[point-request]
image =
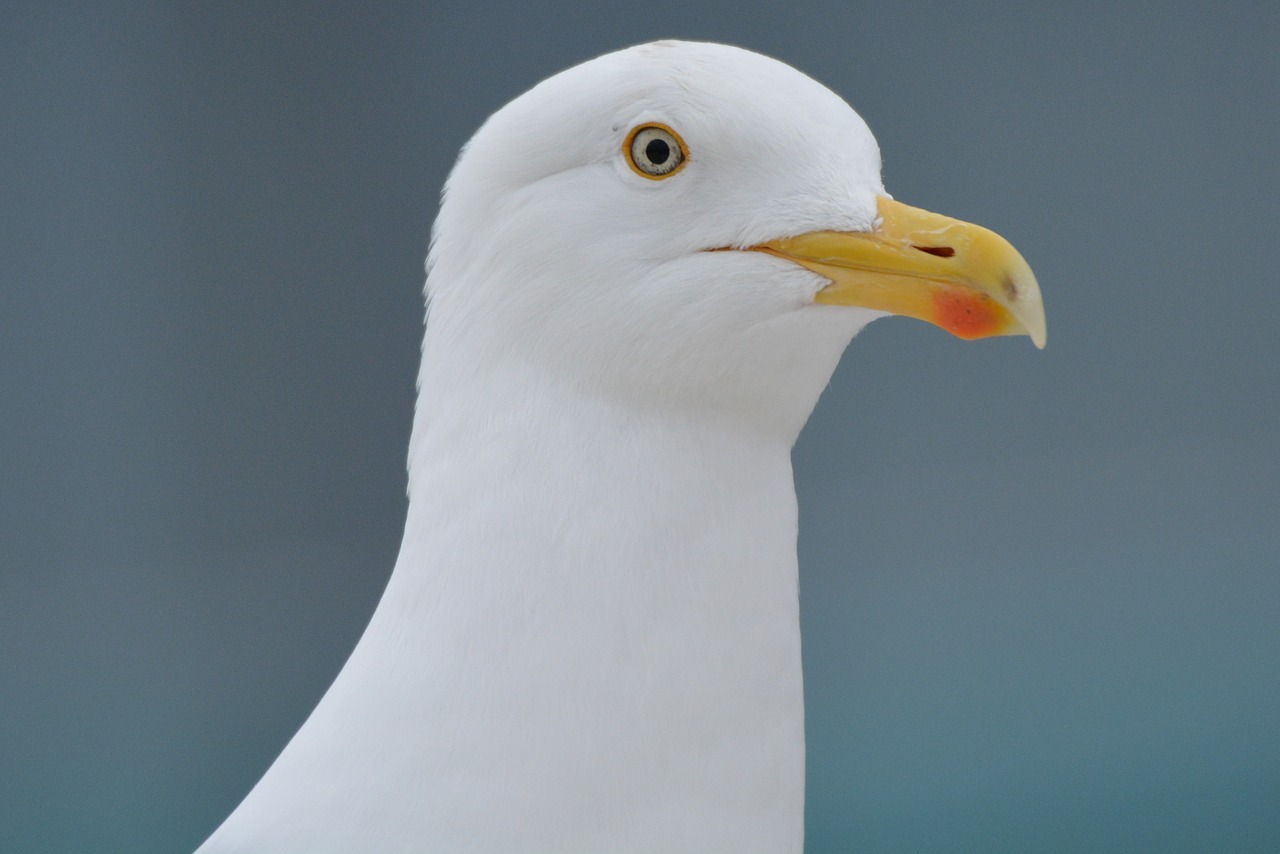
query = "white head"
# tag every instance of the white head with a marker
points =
(554, 251)
(551, 249)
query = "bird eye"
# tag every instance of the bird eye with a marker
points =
(655, 151)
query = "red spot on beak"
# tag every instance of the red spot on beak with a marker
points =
(967, 314)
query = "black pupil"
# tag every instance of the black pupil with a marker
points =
(657, 151)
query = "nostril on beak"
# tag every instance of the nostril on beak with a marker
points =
(940, 251)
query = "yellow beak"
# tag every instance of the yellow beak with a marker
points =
(960, 276)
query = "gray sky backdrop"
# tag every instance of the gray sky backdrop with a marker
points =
(1041, 591)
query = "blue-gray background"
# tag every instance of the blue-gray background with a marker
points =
(1041, 591)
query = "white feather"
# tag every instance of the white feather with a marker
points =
(590, 642)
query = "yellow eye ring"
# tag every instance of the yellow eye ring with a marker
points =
(655, 151)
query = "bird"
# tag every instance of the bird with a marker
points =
(642, 275)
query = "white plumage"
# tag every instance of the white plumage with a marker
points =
(590, 642)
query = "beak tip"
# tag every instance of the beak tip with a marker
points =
(1024, 302)
(1034, 327)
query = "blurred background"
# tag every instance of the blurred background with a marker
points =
(1041, 590)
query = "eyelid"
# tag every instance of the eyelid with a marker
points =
(630, 138)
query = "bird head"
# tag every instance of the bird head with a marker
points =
(696, 225)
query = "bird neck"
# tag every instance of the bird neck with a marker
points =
(602, 599)
(590, 642)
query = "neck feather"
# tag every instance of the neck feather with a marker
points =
(590, 641)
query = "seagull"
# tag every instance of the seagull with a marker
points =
(643, 273)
